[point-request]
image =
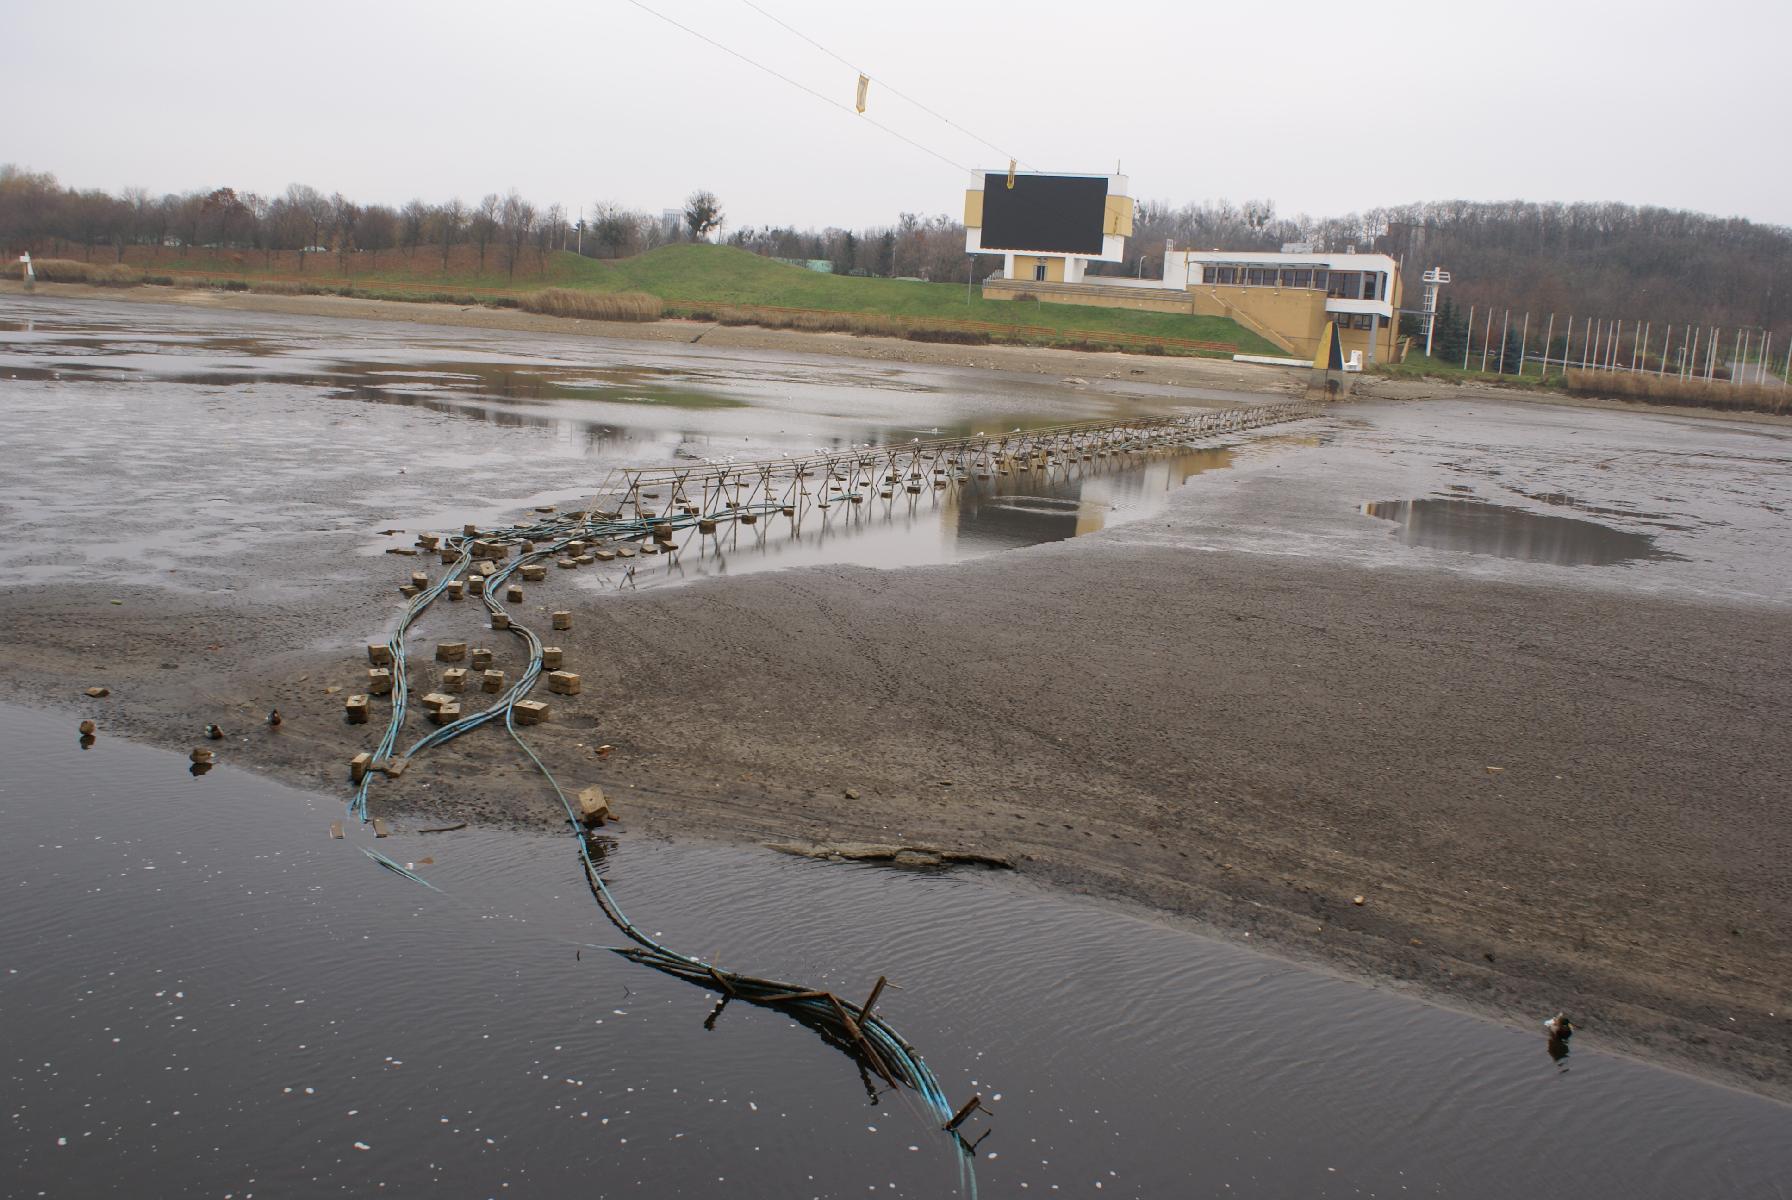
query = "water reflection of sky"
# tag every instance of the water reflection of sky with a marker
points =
(973, 518)
(1477, 527)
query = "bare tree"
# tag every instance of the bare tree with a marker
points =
(702, 214)
(484, 223)
(411, 220)
(377, 230)
(517, 219)
(449, 219)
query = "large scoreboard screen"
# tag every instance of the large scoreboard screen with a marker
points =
(1058, 214)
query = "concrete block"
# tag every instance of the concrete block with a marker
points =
(500, 621)
(491, 681)
(419, 579)
(550, 657)
(563, 683)
(435, 700)
(604, 555)
(513, 594)
(454, 679)
(456, 589)
(380, 828)
(379, 682)
(447, 555)
(479, 658)
(359, 765)
(586, 559)
(531, 712)
(379, 654)
(625, 552)
(407, 590)
(562, 620)
(567, 564)
(446, 715)
(574, 549)
(429, 541)
(355, 709)
(476, 585)
(485, 569)
(451, 651)
(470, 530)
(534, 573)
(594, 807)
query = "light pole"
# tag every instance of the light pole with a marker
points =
(1434, 279)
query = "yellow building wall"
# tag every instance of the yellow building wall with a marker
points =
(1024, 264)
(1118, 217)
(973, 208)
(1296, 316)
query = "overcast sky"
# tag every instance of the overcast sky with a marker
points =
(1323, 107)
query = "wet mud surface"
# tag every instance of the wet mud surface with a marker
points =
(1556, 785)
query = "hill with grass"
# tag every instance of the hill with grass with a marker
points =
(689, 280)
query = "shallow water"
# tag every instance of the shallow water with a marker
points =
(1478, 527)
(202, 994)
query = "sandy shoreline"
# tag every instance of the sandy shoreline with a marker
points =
(1242, 742)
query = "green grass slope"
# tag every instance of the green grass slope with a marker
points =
(688, 275)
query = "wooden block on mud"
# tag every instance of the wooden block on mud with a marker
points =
(594, 807)
(550, 657)
(534, 573)
(513, 594)
(563, 683)
(574, 549)
(336, 830)
(447, 714)
(563, 620)
(475, 585)
(379, 654)
(407, 590)
(625, 552)
(451, 651)
(355, 709)
(419, 579)
(479, 658)
(454, 679)
(530, 712)
(500, 620)
(380, 828)
(492, 681)
(604, 555)
(567, 564)
(359, 765)
(456, 589)
(435, 700)
(429, 541)
(379, 682)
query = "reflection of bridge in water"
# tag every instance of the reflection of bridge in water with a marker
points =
(1014, 488)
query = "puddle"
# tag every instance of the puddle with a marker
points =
(976, 518)
(216, 998)
(1502, 531)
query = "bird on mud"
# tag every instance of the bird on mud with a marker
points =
(274, 717)
(214, 733)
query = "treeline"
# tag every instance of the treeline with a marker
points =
(37, 214)
(1594, 260)
(504, 231)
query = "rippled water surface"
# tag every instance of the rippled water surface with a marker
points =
(201, 994)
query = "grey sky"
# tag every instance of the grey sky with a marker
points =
(1316, 105)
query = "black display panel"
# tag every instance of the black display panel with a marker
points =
(1061, 214)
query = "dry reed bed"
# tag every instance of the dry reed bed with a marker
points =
(1696, 393)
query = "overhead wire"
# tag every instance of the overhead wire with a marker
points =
(801, 87)
(883, 83)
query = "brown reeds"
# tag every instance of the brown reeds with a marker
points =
(68, 270)
(1693, 393)
(593, 306)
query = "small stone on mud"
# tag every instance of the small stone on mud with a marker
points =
(850, 794)
(99, 692)
(1359, 901)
